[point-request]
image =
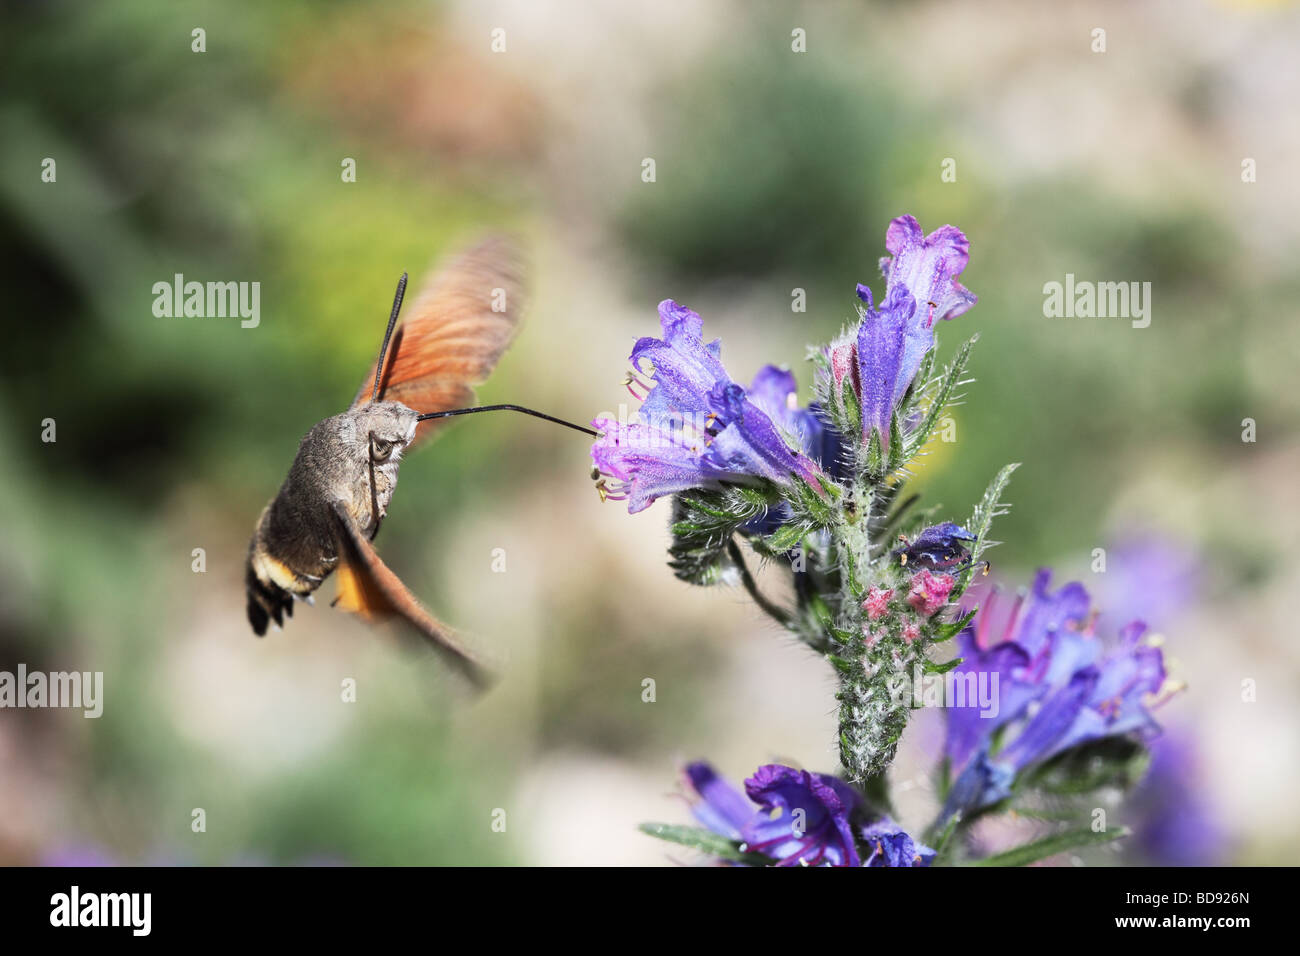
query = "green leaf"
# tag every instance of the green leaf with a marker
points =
(706, 841)
(849, 571)
(942, 396)
(874, 456)
(705, 519)
(926, 368)
(981, 521)
(1108, 762)
(842, 635)
(703, 522)
(943, 843)
(842, 665)
(754, 498)
(930, 667)
(897, 449)
(821, 612)
(852, 412)
(705, 503)
(1050, 846)
(947, 632)
(784, 538)
(813, 507)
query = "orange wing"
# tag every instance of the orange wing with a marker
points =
(454, 333)
(369, 587)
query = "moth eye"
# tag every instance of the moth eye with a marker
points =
(382, 448)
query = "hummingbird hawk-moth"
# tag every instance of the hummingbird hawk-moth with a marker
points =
(330, 507)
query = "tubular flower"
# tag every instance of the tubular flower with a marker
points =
(700, 428)
(1058, 685)
(881, 357)
(798, 818)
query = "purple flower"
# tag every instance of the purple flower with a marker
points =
(928, 266)
(881, 366)
(1175, 822)
(888, 845)
(798, 818)
(886, 353)
(804, 817)
(717, 804)
(793, 816)
(1102, 699)
(1012, 645)
(776, 393)
(1051, 678)
(939, 547)
(700, 427)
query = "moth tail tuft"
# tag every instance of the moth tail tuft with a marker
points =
(267, 601)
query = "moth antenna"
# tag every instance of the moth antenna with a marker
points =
(510, 408)
(388, 334)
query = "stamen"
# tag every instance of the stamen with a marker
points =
(1170, 688)
(631, 379)
(617, 493)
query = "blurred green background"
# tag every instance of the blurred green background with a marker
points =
(775, 170)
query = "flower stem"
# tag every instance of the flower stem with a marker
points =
(873, 710)
(774, 611)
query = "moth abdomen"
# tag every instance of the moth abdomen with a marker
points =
(272, 579)
(267, 601)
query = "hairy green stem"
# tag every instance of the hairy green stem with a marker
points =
(873, 668)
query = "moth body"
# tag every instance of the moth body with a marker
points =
(351, 459)
(323, 519)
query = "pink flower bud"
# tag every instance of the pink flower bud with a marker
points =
(930, 591)
(877, 603)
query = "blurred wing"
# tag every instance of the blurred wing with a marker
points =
(454, 333)
(368, 587)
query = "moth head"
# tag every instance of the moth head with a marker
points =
(387, 428)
